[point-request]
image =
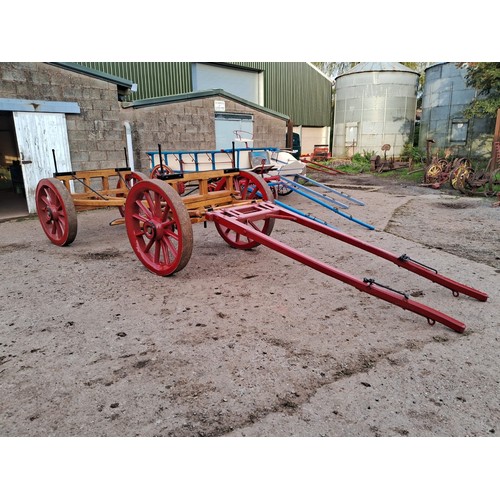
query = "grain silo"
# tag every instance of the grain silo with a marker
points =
(445, 97)
(375, 104)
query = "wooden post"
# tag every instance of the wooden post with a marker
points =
(495, 149)
(289, 134)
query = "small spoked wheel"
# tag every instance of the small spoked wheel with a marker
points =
(248, 186)
(459, 177)
(284, 190)
(130, 179)
(158, 227)
(433, 173)
(56, 211)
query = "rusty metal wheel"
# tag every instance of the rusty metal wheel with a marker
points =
(158, 227)
(433, 173)
(459, 177)
(249, 187)
(130, 179)
(56, 211)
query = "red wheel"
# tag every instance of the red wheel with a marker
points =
(158, 227)
(248, 187)
(56, 211)
(181, 187)
(130, 179)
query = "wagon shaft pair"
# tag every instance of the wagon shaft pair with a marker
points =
(241, 206)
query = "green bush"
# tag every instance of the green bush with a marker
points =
(413, 153)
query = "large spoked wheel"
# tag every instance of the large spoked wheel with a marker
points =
(56, 211)
(249, 187)
(158, 227)
(130, 179)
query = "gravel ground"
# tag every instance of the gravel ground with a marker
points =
(252, 343)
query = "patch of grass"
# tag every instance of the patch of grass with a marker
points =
(415, 175)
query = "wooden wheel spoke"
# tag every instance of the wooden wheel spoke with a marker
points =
(144, 209)
(168, 248)
(147, 248)
(157, 252)
(166, 216)
(149, 203)
(45, 198)
(158, 209)
(140, 218)
(254, 225)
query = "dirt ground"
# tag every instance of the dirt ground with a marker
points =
(252, 343)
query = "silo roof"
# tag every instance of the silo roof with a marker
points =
(365, 67)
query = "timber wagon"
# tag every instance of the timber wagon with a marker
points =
(159, 213)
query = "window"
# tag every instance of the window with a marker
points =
(459, 130)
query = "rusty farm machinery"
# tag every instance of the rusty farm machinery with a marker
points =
(159, 214)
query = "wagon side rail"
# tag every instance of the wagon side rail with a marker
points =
(203, 159)
(97, 190)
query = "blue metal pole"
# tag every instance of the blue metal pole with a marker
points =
(328, 188)
(303, 214)
(333, 209)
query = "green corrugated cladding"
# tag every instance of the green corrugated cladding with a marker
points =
(154, 79)
(297, 90)
(293, 88)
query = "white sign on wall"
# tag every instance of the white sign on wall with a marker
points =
(220, 105)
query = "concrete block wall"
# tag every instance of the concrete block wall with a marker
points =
(96, 136)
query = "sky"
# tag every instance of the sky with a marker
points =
(385, 30)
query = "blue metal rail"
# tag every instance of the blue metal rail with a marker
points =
(323, 186)
(203, 156)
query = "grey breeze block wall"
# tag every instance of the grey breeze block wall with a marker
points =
(96, 136)
(189, 125)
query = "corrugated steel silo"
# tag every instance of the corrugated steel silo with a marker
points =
(375, 104)
(444, 100)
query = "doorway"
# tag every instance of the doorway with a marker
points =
(12, 193)
(230, 126)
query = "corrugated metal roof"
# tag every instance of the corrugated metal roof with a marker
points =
(94, 73)
(365, 67)
(156, 101)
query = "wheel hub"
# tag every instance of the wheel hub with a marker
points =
(50, 215)
(153, 230)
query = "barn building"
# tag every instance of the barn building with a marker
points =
(73, 117)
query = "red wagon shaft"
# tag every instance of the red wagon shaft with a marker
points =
(242, 219)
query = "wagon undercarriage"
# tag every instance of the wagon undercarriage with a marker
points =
(242, 207)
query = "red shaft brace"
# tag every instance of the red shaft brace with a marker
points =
(237, 219)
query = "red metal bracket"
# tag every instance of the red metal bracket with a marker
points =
(237, 218)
